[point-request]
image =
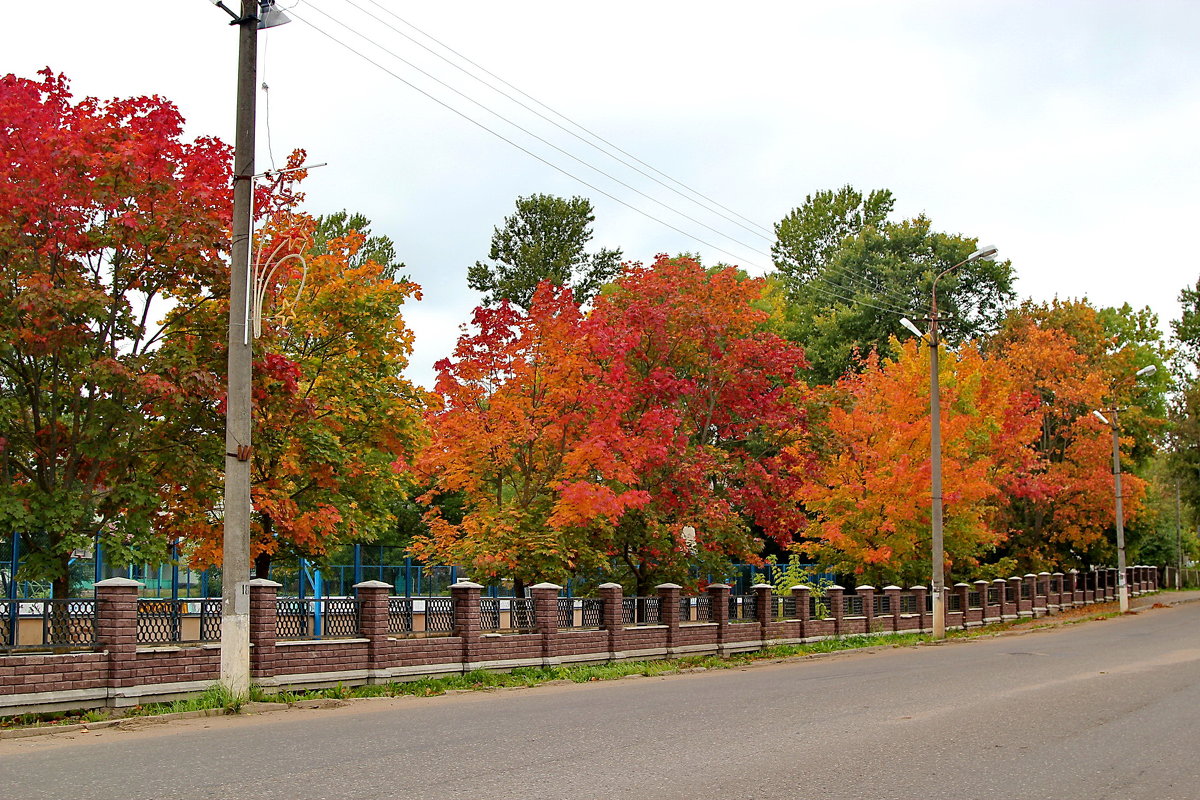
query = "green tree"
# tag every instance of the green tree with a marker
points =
(850, 273)
(544, 240)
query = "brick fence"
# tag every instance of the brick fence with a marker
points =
(118, 672)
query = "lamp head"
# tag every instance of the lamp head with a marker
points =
(1101, 417)
(1146, 371)
(907, 323)
(986, 252)
(269, 16)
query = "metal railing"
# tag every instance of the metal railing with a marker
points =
(908, 604)
(64, 623)
(695, 609)
(974, 599)
(521, 616)
(852, 605)
(166, 621)
(437, 614)
(743, 608)
(591, 612)
(641, 611)
(881, 605)
(316, 618)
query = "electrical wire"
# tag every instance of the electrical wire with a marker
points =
(828, 288)
(609, 148)
(530, 133)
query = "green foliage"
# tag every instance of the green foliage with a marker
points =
(544, 241)
(379, 249)
(850, 274)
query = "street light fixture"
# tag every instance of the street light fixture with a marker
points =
(1115, 424)
(937, 546)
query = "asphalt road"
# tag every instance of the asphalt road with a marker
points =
(1101, 710)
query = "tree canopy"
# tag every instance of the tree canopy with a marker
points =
(544, 240)
(850, 273)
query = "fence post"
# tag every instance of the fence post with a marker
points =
(867, 593)
(1002, 596)
(373, 622)
(466, 619)
(116, 628)
(921, 594)
(668, 613)
(1056, 586)
(1072, 578)
(964, 600)
(837, 605)
(764, 609)
(801, 594)
(1043, 584)
(613, 617)
(981, 586)
(545, 616)
(718, 599)
(892, 593)
(264, 611)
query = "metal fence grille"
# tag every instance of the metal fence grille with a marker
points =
(521, 616)
(210, 619)
(908, 604)
(400, 615)
(852, 605)
(439, 614)
(993, 596)
(489, 613)
(67, 623)
(816, 608)
(695, 609)
(8, 624)
(159, 621)
(743, 608)
(881, 605)
(591, 612)
(974, 599)
(787, 608)
(316, 618)
(640, 611)
(953, 602)
(1025, 590)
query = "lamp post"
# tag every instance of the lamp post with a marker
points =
(1115, 424)
(937, 546)
(235, 556)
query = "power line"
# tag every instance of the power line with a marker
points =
(570, 121)
(504, 138)
(528, 132)
(829, 289)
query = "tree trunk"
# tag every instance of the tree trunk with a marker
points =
(518, 587)
(262, 565)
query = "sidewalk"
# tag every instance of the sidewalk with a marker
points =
(1165, 598)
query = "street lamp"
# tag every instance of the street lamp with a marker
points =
(1122, 584)
(937, 547)
(235, 555)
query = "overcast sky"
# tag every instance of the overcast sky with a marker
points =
(1065, 133)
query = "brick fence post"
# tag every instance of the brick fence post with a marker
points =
(116, 628)
(801, 595)
(964, 601)
(1043, 584)
(1002, 596)
(837, 606)
(466, 619)
(613, 617)
(867, 593)
(981, 586)
(921, 595)
(373, 622)
(1073, 586)
(764, 609)
(545, 614)
(1056, 586)
(892, 593)
(1103, 584)
(264, 610)
(668, 612)
(718, 599)
(1014, 594)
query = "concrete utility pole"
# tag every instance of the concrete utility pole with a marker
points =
(1122, 584)
(937, 590)
(235, 559)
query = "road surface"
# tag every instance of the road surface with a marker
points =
(1106, 709)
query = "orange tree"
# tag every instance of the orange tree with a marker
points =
(1076, 359)
(108, 213)
(334, 419)
(870, 493)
